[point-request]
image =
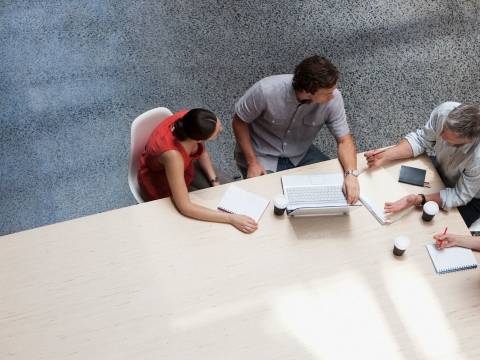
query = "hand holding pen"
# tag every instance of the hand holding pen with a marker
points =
(376, 158)
(442, 240)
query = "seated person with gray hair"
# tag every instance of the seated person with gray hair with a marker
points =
(453, 134)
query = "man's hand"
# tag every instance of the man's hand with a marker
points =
(399, 205)
(375, 158)
(351, 188)
(255, 169)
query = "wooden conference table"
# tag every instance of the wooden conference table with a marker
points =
(144, 282)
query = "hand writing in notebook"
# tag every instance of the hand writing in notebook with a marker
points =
(443, 241)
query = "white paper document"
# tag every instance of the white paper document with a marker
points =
(238, 201)
(377, 187)
(451, 259)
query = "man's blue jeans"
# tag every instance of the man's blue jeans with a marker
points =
(312, 156)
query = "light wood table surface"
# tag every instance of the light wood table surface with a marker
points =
(144, 282)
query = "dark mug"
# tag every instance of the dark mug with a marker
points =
(430, 209)
(280, 203)
(400, 245)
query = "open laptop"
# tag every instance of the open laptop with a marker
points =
(315, 194)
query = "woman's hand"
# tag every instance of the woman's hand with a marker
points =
(447, 240)
(399, 205)
(243, 223)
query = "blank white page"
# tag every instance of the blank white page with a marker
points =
(238, 201)
(377, 187)
(451, 259)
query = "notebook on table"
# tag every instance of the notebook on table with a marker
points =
(451, 259)
(377, 187)
(413, 176)
(242, 202)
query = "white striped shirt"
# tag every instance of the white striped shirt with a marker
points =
(459, 165)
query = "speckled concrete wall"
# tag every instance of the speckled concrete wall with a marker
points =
(74, 74)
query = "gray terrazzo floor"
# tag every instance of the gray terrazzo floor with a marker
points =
(74, 74)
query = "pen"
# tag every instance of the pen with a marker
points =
(444, 233)
(379, 152)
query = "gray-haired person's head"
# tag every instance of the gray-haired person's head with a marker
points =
(464, 120)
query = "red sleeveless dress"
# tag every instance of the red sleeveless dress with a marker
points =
(151, 174)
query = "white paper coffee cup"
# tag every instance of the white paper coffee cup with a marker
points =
(430, 209)
(280, 203)
(400, 244)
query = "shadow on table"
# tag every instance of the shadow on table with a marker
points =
(338, 227)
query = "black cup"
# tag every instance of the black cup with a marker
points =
(400, 245)
(279, 205)
(430, 209)
(397, 251)
(427, 217)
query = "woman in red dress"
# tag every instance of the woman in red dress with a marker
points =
(166, 165)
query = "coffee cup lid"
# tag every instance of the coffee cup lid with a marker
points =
(431, 207)
(402, 242)
(280, 201)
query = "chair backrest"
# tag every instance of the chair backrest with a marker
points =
(142, 127)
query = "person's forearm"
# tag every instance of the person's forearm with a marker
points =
(471, 242)
(347, 153)
(206, 165)
(402, 150)
(199, 212)
(434, 197)
(417, 200)
(242, 135)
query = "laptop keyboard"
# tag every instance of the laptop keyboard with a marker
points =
(315, 195)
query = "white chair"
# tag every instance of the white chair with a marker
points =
(142, 127)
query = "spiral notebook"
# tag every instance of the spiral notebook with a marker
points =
(239, 201)
(451, 259)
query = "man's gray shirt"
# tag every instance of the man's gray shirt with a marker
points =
(280, 126)
(459, 165)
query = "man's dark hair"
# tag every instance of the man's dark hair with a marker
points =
(197, 124)
(315, 73)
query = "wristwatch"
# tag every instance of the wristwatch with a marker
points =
(352, 172)
(423, 199)
(211, 181)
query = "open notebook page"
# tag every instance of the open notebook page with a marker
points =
(238, 201)
(377, 187)
(451, 259)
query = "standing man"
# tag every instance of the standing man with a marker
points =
(453, 133)
(277, 119)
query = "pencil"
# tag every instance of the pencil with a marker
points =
(445, 232)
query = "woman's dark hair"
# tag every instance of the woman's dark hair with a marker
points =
(197, 124)
(315, 73)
